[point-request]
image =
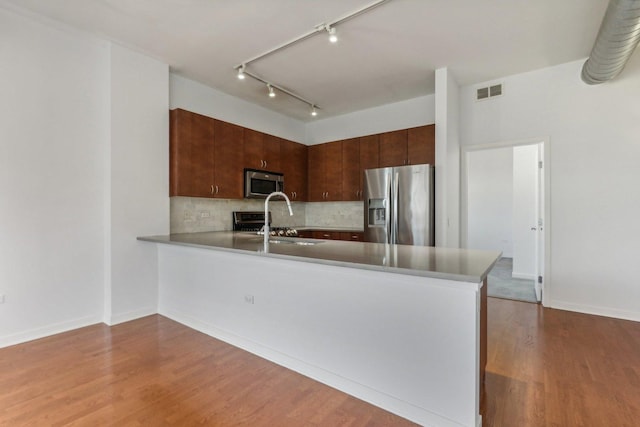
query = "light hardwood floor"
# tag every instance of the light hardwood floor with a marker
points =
(545, 368)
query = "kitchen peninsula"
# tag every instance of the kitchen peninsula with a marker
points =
(402, 327)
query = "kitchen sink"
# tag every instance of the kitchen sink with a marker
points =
(295, 242)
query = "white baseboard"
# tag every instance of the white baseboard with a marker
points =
(525, 276)
(117, 318)
(48, 330)
(598, 311)
(374, 397)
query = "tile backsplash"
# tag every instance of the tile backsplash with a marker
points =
(335, 214)
(195, 214)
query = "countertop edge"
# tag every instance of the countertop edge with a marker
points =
(362, 266)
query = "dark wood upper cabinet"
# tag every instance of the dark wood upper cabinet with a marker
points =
(253, 145)
(369, 155)
(261, 151)
(294, 167)
(271, 153)
(393, 148)
(229, 160)
(206, 156)
(325, 172)
(315, 173)
(421, 145)
(351, 185)
(192, 166)
(333, 170)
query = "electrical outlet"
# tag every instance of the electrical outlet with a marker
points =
(205, 214)
(248, 299)
(1, 298)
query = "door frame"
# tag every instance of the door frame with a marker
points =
(545, 236)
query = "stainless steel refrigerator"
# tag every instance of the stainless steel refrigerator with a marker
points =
(399, 205)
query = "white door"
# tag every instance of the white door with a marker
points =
(541, 225)
(525, 212)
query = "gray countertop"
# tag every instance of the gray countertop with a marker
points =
(445, 263)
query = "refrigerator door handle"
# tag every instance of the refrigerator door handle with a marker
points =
(396, 217)
(389, 209)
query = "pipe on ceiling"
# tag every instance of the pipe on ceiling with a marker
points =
(617, 39)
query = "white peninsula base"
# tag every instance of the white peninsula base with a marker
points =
(408, 344)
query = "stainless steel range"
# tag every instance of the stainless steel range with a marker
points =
(254, 221)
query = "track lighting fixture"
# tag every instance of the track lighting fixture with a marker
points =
(329, 27)
(333, 36)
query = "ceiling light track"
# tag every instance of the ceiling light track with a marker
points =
(271, 87)
(329, 27)
(318, 29)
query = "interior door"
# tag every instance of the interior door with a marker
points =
(525, 212)
(541, 224)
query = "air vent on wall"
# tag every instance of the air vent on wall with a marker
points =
(488, 92)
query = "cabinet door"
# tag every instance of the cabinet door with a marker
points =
(253, 142)
(333, 170)
(393, 148)
(315, 185)
(305, 234)
(353, 236)
(228, 143)
(369, 146)
(421, 145)
(271, 153)
(325, 234)
(191, 152)
(294, 167)
(351, 169)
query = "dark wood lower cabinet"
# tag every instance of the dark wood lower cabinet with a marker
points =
(354, 236)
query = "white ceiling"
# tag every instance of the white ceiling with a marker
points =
(386, 55)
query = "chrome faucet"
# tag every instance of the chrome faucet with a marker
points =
(266, 215)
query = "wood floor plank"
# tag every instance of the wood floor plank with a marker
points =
(557, 368)
(545, 368)
(156, 372)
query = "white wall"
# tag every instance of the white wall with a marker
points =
(54, 113)
(447, 193)
(139, 181)
(400, 115)
(490, 200)
(83, 172)
(594, 151)
(193, 96)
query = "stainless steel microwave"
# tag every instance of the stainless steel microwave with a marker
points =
(259, 184)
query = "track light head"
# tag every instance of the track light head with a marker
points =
(313, 111)
(333, 36)
(241, 75)
(272, 94)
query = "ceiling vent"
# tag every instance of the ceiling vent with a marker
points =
(488, 92)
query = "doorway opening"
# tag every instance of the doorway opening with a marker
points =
(504, 202)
